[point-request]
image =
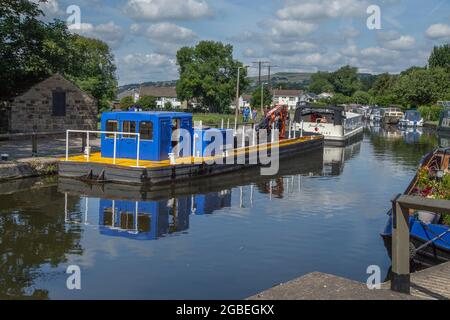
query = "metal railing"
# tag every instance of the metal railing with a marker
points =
(114, 133)
(401, 206)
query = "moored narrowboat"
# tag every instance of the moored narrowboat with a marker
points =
(429, 232)
(163, 147)
(411, 118)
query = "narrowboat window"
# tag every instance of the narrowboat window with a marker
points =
(146, 130)
(111, 126)
(129, 127)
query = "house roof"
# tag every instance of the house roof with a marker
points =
(24, 86)
(285, 92)
(157, 92)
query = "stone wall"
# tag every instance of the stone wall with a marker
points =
(33, 111)
(4, 117)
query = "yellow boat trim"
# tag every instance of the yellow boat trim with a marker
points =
(97, 158)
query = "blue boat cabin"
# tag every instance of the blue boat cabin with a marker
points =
(155, 129)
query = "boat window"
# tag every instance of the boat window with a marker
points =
(111, 126)
(129, 127)
(146, 130)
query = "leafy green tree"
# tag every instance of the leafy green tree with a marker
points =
(440, 57)
(208, 73)
(31, 50)
(421, 86)
(346, 81)
(339, 98)
(361, 97)
(430, 113)
(320, 83)
(147, 102)
(382, 84)
(93, 69)
(255, 101)
(126, 103)
(168, 105)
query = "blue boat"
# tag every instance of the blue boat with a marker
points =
(429, 238)
(412, 118)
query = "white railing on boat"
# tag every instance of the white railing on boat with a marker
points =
(114, 133)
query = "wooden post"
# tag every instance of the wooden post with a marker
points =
(83, 143)
(34, 150)
(400, 248)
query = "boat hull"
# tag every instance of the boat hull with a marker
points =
(104, 172)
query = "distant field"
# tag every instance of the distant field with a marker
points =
(286, 77)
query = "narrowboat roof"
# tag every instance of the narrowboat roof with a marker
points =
(151, 113)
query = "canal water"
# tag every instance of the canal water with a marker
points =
(227, 237)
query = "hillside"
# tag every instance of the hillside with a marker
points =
(285, 80)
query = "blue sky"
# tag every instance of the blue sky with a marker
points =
(295, 35)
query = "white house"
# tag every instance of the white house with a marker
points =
(286, 97)
(163, 95)
(326, 95)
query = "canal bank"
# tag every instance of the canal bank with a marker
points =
(223, 238)
(429, 284)
(27, 167)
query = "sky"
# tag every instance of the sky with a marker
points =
(293, 35)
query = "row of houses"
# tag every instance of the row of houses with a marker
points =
(166, 95)
(56, 104)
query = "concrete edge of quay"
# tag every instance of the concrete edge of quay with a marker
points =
(27, 168)
(323, 286)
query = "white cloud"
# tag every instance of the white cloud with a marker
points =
(166, 38)
(292, 28)
(140, 67)
(170, 32)
(438, 31)
(322, 9)
(293, 47)
(108, 32)
(350, 51)
(50, 8)
(402, 43)
(157, 10)
(379, 53)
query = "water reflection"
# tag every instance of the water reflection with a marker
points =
(150, 213)
(32, 236)
(241, 232)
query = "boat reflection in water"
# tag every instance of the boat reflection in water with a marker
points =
(143, 213)
(334, 158)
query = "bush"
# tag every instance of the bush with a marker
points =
(430, 113)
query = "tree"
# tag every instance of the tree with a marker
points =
(440, 57)
(126, 103)
(345, 80)
(339, 98)
(32, 50)
(168, 105)
(208, 73)
(417, 87)
(361, 97)
(93, 69)
(255, 101)
(382, 84)
(320, 83)
(147, 102)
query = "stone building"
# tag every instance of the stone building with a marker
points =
(52, 105)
